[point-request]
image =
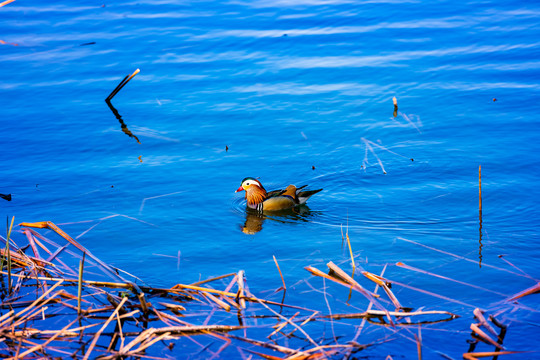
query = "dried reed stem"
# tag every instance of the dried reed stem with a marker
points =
(380, 281)
(121, 85)
(6, 2)
(473, 356)
(350, 251)
(282, 325)
(220, 303)
(79, 289)
(293, 324)
(212, 279)
(480, 187)
(41, 346)
(480, 316)
(485, 337)
(98, 334)
(240, 294)
(355, 285)
(280, 274)
(532, 290)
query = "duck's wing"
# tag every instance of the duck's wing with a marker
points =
(274, 193)
(303, 196)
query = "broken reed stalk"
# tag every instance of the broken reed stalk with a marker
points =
(240, 294)
(9, 254)
(280, 274)
(351, 252)
(380, 281)
(121, 85)
(532, 290)
(349, 243)
(418, 339)
(485, 337)
(476, 355)
(293, 324)
(98, 334)
(6, 2)
(480, 317)
(79, 290)
(480, 187)
(139, 338)
(41, 346)
(212, 279)
(50, 225)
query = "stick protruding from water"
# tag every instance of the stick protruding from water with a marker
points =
(121, 85)
(480, 187)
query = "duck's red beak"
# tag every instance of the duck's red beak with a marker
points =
(239, 189)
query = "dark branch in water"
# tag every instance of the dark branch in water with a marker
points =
(121, 85)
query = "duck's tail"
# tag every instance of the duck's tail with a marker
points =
(303, 196)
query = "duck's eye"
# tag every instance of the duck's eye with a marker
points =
(247, 183)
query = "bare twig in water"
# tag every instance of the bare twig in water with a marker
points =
(121, 85)
(3, 3)
(280, 274)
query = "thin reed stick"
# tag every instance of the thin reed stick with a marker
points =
(477, 355)
(121, 85)
(88, 282)
(402, 265)
(220, 303)
(480, 187)
(282, 325)
(98, 334)
(480, 316)
(280, 274)
(28, 308)
(6, 2)
(41, 346)
(9, 254)
(293, 324)
(460, 257)
(212, 279)
(485, 337)
(275, 347)
(50, 225)
(380, 281)
(418, 339)
(350, 251)
(79, 289)
(240, 294)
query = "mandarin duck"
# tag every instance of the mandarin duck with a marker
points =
(258, 199)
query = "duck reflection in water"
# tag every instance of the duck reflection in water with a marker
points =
(254, 219)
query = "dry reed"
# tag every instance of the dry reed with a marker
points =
(121, 85)
(120, 317)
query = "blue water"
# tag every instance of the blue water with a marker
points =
(291, 92)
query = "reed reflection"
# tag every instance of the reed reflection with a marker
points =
(480, 216)
(123, 125)
(255, 220)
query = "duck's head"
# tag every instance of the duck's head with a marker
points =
(249, 183)
(255, 192)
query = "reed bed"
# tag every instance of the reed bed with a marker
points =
(60, 300)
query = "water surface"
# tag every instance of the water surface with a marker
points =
(291, 92)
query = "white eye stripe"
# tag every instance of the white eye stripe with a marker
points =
(250, 182)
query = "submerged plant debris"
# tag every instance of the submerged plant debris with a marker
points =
(59, 300)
